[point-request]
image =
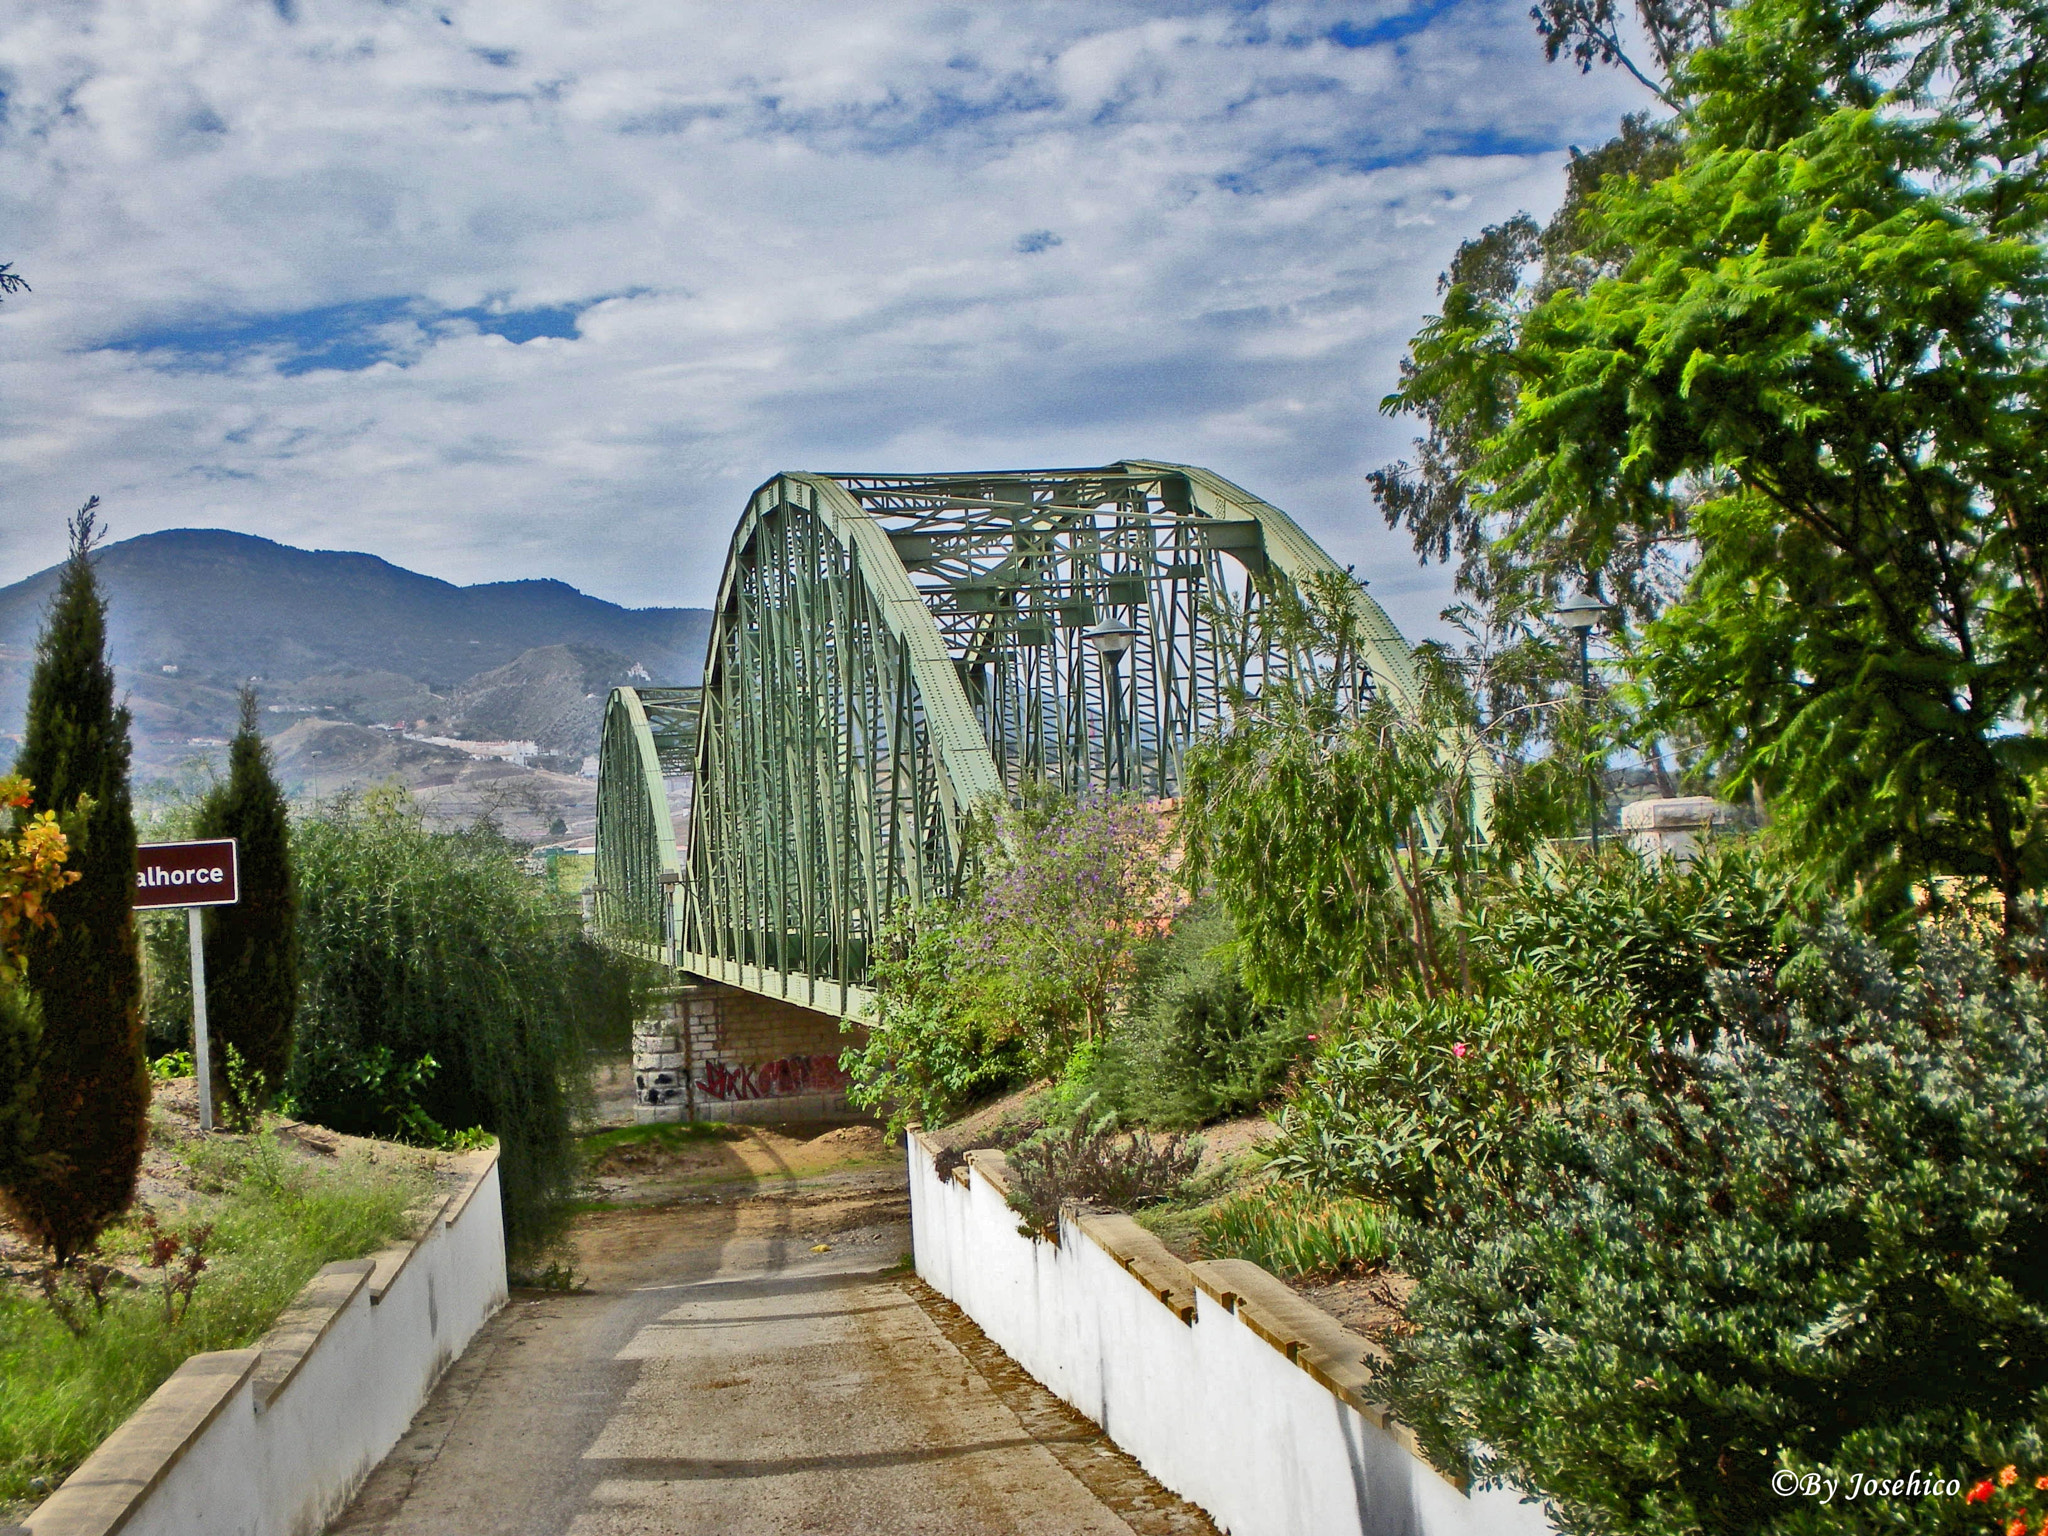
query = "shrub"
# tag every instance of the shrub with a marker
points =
(1295, 1233)
(1655, 927)
(1098, 1167)
(1417, 1097)
(252, 947)
(438, 944)
(1196, 1045)
(92, 1084)
(1827, 1252)
(930, 1049)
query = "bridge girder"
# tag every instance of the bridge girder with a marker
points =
(887, 652)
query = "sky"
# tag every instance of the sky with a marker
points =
(546, 287)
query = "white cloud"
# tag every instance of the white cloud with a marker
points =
(799, 235)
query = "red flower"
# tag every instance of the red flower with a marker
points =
(1981, 1494)
(2018, 1527)
(1460, 1049)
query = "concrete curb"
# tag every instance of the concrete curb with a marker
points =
(1224, 1384)
(274, 1440)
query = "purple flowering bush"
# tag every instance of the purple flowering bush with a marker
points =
(1035, 956)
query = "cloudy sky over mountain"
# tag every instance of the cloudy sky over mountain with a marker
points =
(544, 287)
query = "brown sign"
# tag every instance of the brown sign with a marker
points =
(187, 874)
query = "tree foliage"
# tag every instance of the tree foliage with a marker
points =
(1651, 931)
(930, 1049)
(1818, 367)
(92, 1084)
(252, 947)
(421, 944)
(1349, 838)
(1064, 895)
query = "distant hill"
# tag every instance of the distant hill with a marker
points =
(326, 758)
(193, 612)
(552, 695)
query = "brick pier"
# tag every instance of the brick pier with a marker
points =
(714, 1052)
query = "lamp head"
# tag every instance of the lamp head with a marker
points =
(1581, 612)
(1111, 638)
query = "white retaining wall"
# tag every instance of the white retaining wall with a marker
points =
(274, 1440)
(1226, 1386)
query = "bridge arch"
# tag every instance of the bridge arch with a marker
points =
(889, 650)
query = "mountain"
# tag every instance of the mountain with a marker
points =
(192, 612)
(326, 758)
(552, 695)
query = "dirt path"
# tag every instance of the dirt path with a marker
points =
(750, 1356)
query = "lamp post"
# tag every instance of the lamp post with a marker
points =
(1580, 613)
(1111, 638)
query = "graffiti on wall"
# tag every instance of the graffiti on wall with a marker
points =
(771, 1079)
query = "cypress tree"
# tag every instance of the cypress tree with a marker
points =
(92, 1091)
(252, 948)
(20, 1032)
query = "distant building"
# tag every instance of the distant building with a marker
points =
(520, 752)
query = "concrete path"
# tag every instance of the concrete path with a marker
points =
(752, 1360)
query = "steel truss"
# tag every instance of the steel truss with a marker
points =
(890, 650)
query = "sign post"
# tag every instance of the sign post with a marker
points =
(191, 875)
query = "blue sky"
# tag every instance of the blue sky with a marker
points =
(544, 287)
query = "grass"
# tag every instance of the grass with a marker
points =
(1292, 1233)
(668, 1136)
(275, 1222)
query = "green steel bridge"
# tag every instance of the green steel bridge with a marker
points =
(888, 651)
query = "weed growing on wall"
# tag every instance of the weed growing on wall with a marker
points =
(1095, 1166)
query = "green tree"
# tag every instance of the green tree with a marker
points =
(252, 947)
(21, 1033)
(1350, 839)
(931, 1048)
(92, 1093)
(444, 989)
(1820, 368)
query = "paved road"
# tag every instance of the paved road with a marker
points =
(721, 1376)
